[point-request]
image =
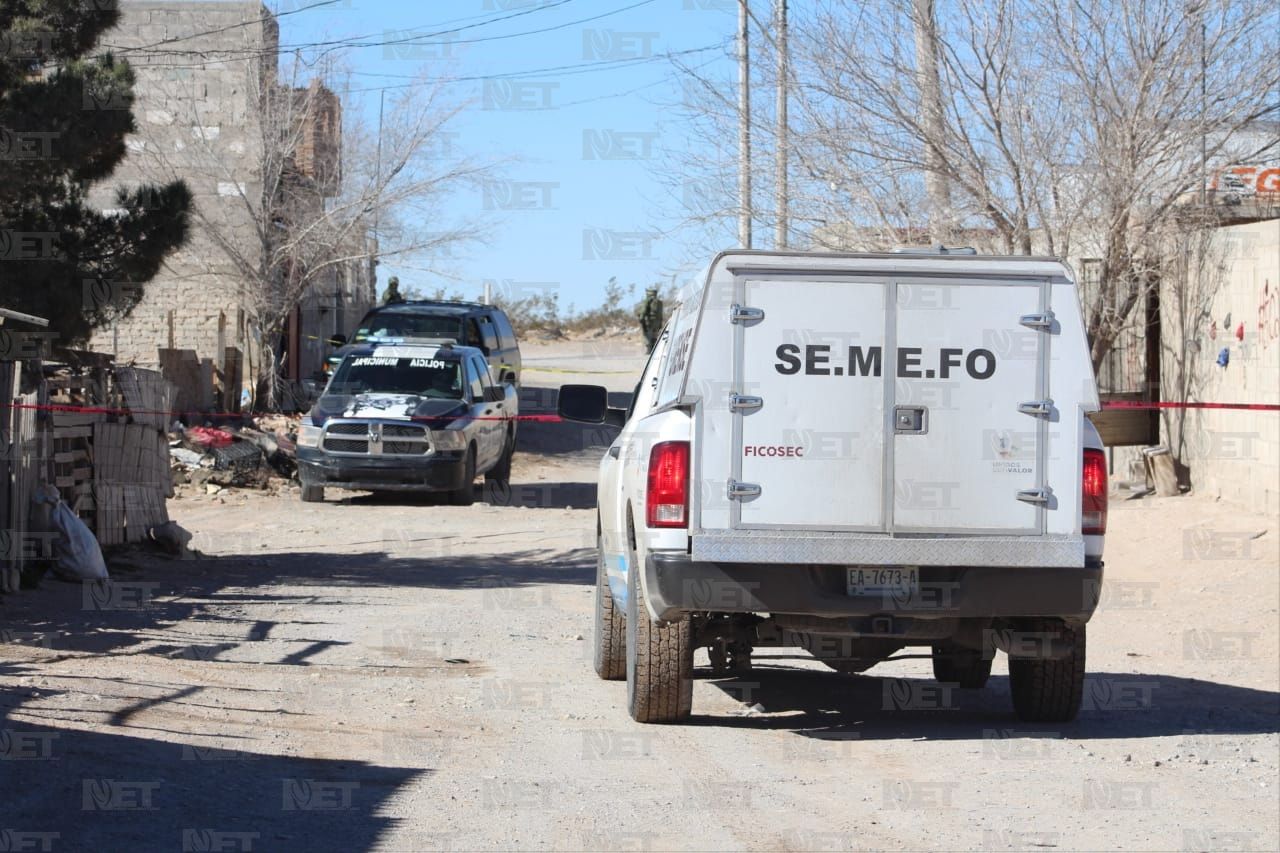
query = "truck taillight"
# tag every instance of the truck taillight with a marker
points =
(667, 501)
(1094, 521)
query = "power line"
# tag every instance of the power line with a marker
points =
(227, 28)
(571, 70)
(229, 54)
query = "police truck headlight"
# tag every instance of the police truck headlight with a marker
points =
(309, 436)
(448, 439)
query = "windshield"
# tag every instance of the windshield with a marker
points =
(389, 324)
(425, 377)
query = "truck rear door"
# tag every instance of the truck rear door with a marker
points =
(810, 432)
(890, 405)
(966, 425)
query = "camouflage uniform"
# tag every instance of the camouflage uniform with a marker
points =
(391, 295)
(650, 315)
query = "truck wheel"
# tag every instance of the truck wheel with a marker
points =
(611, 627)
(659, 661)
(1049, 691)
(501, 470)
(310, 493)
(967, 667)
(466, 494)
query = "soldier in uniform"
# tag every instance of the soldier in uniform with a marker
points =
(392, 294)
(650, 314)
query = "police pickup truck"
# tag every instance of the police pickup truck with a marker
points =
(855, 454)
(409, 418)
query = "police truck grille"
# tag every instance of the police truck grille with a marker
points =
(374, 438)
(346, 445)
(416, 448)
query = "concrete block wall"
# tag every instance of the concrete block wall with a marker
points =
(196, 119)
(1232, 454)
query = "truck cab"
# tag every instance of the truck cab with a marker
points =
(856, 454)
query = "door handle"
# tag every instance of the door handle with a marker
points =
(614, 450)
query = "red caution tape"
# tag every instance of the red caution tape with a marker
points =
(106, 410)
(1256, 407)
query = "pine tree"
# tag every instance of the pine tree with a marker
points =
(64, 114)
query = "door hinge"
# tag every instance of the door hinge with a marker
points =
(1034, 496)
(744, 403)
(743, 314)
(738, 491)
(1036, 407)
(1038, 321)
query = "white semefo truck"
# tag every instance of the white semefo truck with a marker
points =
(855, 454)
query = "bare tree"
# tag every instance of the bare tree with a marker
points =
(1078, 129)
(325, 183)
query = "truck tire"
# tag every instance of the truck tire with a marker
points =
(659, 661)
(611, 627)
(465, 495)
(501, 470)
(967, 667)
(310, 492)
(1049, 691)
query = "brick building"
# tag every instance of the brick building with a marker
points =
(203, 72)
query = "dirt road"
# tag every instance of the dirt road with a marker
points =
(395, 674)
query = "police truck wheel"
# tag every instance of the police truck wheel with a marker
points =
(1049, 691)
(611, 627)
(310, 492)
(466, 494)
(501, 470)
(659, 661)
(954, 664)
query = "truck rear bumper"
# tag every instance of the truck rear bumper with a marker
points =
(677, 584)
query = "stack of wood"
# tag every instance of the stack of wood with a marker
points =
(130, 481)
(131, 464)
(111, 462)
(73, 461)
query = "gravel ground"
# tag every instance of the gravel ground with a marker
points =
(396, 674)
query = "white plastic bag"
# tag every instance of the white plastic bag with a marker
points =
(79, 557)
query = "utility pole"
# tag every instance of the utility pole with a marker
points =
(377, 198)
(781, 201)
(925, 25)
(744, 126)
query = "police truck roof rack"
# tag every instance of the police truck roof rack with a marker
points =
(935, 249)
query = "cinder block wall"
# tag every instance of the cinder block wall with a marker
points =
(198, 121)
(1232, 454)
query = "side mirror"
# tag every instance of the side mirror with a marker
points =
(585, 404)
(494, 394)
(338, 340)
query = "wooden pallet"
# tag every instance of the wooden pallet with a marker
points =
(148, 395)
(131, 479)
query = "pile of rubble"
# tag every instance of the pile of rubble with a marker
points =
(252, 452)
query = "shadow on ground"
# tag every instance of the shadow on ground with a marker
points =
(71, 789)
(144, 599)
(829, 705)
(536, 495)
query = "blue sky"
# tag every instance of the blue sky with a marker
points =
(583, 202)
